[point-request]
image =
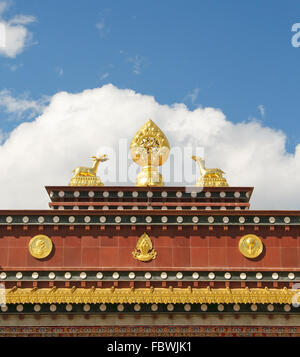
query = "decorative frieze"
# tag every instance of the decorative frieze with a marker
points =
(156, 275)
(125, 218)
(151, 295)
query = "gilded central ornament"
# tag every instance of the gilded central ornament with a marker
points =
(250, 246)
(144, 250)
(149, 148)
(40, 246)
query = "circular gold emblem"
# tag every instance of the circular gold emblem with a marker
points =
(40, 246)
(250, 246)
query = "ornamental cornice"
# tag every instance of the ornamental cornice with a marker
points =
(149, 295)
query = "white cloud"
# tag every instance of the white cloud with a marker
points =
(13, 67)
(18, 106)
(193, 95)
(100, 26)
(261, 110)
(137, 62)
(104, 76)
(3, 6)
(21, 20)
(59, 71)
(16, 34)
(75, 126)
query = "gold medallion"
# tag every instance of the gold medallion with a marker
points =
(144, 250)
(40, 246)
(250, 246)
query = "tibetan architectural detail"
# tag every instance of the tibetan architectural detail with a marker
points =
(150, 296)
(149, 148)
(87, 176)
(101, 255)
(144, 250)
(250, 246)
(40, 246)
(209, 177)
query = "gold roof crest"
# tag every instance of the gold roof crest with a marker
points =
(149, 148)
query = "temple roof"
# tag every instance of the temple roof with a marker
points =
(157, 198)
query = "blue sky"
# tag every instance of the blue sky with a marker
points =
(232, 55)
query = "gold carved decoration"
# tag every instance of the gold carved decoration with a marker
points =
(209, 177)
(86, 176)
(250, 246)
(149, 148)
(40, 246)
(144, 250)
(151, 295)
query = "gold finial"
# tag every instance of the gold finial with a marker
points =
(86, 176)
(209, 177)
(144, 250)
(149, 148)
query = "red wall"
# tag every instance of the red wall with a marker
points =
(188, 249)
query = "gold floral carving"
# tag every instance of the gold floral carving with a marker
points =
(250, 246)
(40, 246)
(150, 295)
(144, 249)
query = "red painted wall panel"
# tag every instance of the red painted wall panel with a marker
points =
(176, 250)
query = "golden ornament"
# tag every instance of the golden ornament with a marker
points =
(144, 250)
(250, 246)
(86, 176)
(209, 177)
(94, 295)
(40, 246)
(149, 148)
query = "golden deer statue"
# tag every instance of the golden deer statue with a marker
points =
(86, 176)
(209, 177)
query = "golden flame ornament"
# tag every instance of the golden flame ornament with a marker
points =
(149, 148)
(144, 249)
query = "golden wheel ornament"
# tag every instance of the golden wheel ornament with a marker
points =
(251, 246)
(40, 246)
